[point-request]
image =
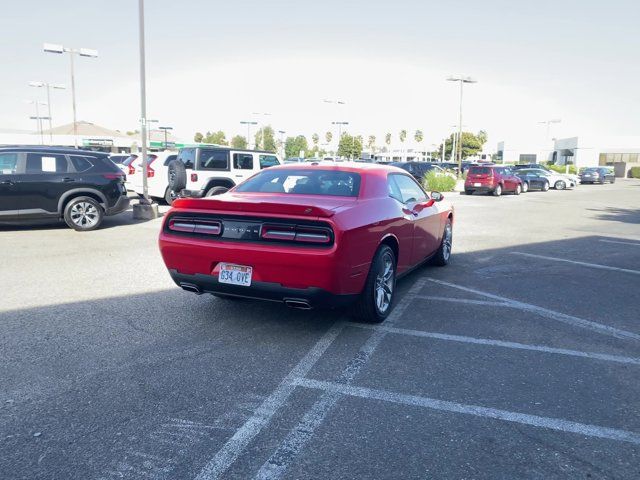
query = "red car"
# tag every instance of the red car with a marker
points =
(309, 236)
(492, 179)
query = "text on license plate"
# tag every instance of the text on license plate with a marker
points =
(477, 184)
(235, 274)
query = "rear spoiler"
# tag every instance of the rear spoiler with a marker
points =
(212, 204)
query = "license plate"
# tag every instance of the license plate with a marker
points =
(477, 184)
(235, 274)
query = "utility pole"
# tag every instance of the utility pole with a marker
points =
(48, 86)
(248, 123)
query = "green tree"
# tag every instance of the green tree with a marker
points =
(482, 136)
(418, 136)
(328, 137)
(198, 137)
(269, 141)
(217, 138)
(403, 135)
(349, 146)
(387, 139)
(294, 145)
(315, 138)
(471, 145)
(239, 141)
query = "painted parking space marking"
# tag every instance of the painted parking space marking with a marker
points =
(475, 410)
(232, 449)
(620, 242)
(575, 262)
(468, 301)
(278, 463)
(500, 343)
(547, 313)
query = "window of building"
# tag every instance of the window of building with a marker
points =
(527, 158)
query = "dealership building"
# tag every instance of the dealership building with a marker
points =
(619, 152)
(89, 136)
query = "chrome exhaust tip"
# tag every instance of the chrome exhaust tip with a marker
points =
(297, 304)
(190, 287)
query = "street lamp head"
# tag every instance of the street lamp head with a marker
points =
(58, 86)
(460, 78)
(88, 52)
(53, 48)
(165, 128)
(37, 84)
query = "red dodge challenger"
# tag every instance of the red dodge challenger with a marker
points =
(309, 236)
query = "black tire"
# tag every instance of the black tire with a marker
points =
(468, 192)
(560, 185)
(366, 308)
(613, 180)
(83, 214)
(216, 191)
(545, 187)
(525, 187)
(518, 190)
(497, 191)
(603, 180)
(443, 255)
(169, 196)
(177, 175)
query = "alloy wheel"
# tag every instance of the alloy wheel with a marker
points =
(447, 242)
(84, 214)
(384, 284)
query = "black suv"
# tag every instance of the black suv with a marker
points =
(80, 187)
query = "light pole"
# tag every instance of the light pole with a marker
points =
(264, 114)
(462, 80)
(149, 129)
(281, 132)
(339, 124)
(48, 86)
(248, 123)
(165, 129)
(38, 118)
(548, 124)
(83, 52)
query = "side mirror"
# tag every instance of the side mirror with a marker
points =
(437, 196)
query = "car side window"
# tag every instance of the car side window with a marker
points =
(267, 161)
(80, 163)
(8, 163)
(188, 157)
(409, 189)
(214, 159)
(46, 163)
(243, 161)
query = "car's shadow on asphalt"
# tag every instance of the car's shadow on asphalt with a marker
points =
(614, 214)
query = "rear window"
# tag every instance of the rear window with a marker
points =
(128, 161)
(304, 182)
(480, 171)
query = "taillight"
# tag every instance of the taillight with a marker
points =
(132, 170)
(150, 172)
(296, 233)
(114, 176)
(194, 177)
(195, 225)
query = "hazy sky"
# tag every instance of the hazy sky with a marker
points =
(210, 64)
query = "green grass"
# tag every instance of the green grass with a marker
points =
(635, 172)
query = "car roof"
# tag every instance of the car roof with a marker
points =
(67, 150)
(351, 167)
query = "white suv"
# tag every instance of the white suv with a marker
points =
(204, 171)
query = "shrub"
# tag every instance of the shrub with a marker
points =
(436, 182)
(634, 172)
(563, 169)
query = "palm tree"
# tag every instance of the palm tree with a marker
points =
(328, 137)
(315, 138)
(371, 143)
(387, 139)
(403, 135)
(418, 136)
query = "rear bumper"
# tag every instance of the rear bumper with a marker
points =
(121, 205)
(312, 297)
(482, 188)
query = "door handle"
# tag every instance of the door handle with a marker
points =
(7, 182)
(68, 179)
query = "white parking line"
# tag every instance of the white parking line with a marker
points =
(278, 463)
(265, 412)
(500, 343)
(475, 410)
(583, 264)
(468, 301)
(621, 243)
(545, 312)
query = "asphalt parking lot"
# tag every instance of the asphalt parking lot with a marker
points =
(521, 359)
